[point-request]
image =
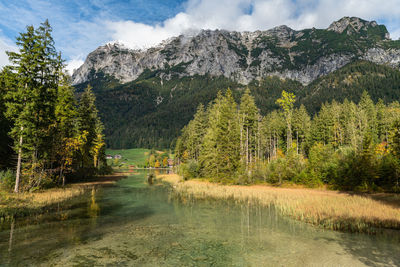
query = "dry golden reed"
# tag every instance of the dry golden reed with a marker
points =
(331, 209)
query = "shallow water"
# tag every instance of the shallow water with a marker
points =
(135, 224)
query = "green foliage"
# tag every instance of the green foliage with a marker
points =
(389, 173)
(286, 169)
(349, 82)
(7, 180)
(248, 123)
(322, 162)
(286, 102)
(134, 118)
(48, 132)
(6, 151)
(150, 112)
(189, 170)
(91, 150)
(157, 159)
(220, 154)
(345, 146)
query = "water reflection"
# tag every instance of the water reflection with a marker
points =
(94, 208)
(137, 224)
(11, 235)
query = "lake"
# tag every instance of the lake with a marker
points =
(135, 224)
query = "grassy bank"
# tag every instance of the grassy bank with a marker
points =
(25, 204)
(330, 209)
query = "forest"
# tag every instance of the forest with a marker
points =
(345, 146)
(133, 118)
(47, 136)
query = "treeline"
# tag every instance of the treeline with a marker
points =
(150, 111)
(157, 160)
(345, 145)
(51, 135)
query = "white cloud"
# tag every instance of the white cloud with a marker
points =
(395, 35)
(5, 45)
(79, 28)
(73, 64)
(263, 15)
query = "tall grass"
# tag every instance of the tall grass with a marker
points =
(24, 204)
(330, 209)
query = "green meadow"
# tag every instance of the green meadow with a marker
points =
(134, 156)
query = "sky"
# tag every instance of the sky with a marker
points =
(80, 26)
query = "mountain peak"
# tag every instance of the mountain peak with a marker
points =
(301, 55)
(352, 25)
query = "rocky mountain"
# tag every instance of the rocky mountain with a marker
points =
(145, 97)
(243, 57)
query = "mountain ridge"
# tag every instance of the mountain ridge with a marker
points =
(303, 55)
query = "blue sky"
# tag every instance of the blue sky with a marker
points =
(79, 27)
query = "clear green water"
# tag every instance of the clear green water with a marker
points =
(134, 224)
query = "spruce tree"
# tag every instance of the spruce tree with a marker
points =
(220, 154)
(367, 117)
(196, 129)
(301, 127)
(248, 118)
(66, 132)
(31, 100)
(89, 123)
(6, 152)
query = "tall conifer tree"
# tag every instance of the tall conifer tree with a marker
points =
(31, 101)
(248, 117)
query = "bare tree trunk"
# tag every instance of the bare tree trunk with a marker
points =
(247, 148)
(241, 141)
(17, 177)
(289, 137)
(62, 175)
(10, 241)
(258, 141)
(270, 147)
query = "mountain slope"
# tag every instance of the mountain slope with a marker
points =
(150, 112)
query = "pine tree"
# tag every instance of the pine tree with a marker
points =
(98, 147)
(209, 151)
(6, 152)
(31, 101)
(273, 126)
(367, 117)
(66, 133)
(220, 154)
(301, 127)
(349, 120)
(196, 129)
(89, 122)
(248, 118)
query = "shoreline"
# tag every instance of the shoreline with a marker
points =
(26, 204)
(341, 211)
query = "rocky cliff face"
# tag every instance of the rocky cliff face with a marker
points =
(244, 56)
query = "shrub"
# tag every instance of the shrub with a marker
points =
(285, 168)
(308, 178)
(322, 162)
(258, 174)
(189, 170)
(389, 173)
(7, 180)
